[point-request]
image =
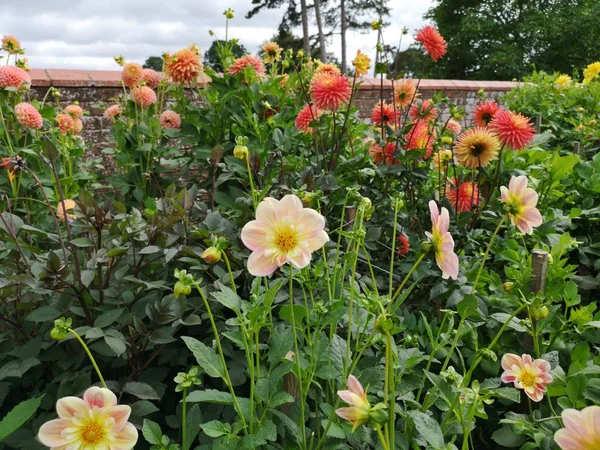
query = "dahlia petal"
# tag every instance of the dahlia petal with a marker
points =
(289, 206)
(444, 221)
(301, 260)
(50, 433)
(355, 386)
(254, 235)
(317, 241)
(267, 211)
(517, 185)
(350, 414)
(527, 359)
(448, 263)
(534, 217)
(261, 265)
(100, 397)
(567, 440)
(535, 394)
(529, 198)
(509, 360)
(542, 364)
(524, 226)
(126, 438)
(508, 377)
(311, 221)
(350, 397)
(69, 407)
(504, 193)
(574, 422)
(120, 414)
(435, 212)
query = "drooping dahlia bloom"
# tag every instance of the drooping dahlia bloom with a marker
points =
(13, 165)
(384, 114)
(66, 210)
(362, 63)
(403, 245)
(591, 72)
(74, 110)
(454, 127)
(143, 96)
(240, 64)
(381, 155)
(476, 147)
(11, 44)
(358, 413)
(283, 232)
(12, 76)
(441, 159)
(112, 111)
(330, 91)
(563, 81)
(581, 431)
(520, 203)
(65, 123)
(441, 242)
(423, 110)
(184, 65)
(405, 91)
(421, 137)
(433, 42)
(513, 129)
(305, 117)
(28, 116)
(77, 126)
(170, 119)
(132, 74)
(94, 423)
(465, 197)
(272, 52)
(526, 373)
(152, 78)
(327, 69)
(484, 112)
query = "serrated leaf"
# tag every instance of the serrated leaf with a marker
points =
(43, 314)
(216, 428)
(108, 318)
(18, 416)
(152, 433)
(141, 390)
(207, 358)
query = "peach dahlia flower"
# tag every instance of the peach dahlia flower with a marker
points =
(95, 422)
(170, 119)
(526, 373)
(132, 74)
(284, 231)
(520, 203)
(143, 96)
(12, 76)
(358, 413)
(442, 242)
(581, 431)
(28, 116)
(184, 66)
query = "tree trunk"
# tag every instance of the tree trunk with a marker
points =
(320, 28)
(344, 27)
(305, 35)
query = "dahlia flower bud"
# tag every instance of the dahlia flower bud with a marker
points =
(228, 13)
(580, 109)
(539, 312)
(405, 30)
(307, 198)
(508, 287)
(187, 380)
(366, 206)
(240, 151)
(211, 255)
(119, 59)
(376, 25)
(446, 140)
(61, 328)
(185, 283)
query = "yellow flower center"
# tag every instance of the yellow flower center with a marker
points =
(286, 240)
(527, 379)
(92, 433)
(514, 207)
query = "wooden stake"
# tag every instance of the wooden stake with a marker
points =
(577, 147)
(540, 269)
(538, 123)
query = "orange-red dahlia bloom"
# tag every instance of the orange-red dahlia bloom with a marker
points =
(305, 117)
(403, 245)
(240, 64)
(151, 77)
(423, 110)
(65, 123)
(465, 198)
(330, 91)
(384, 114)
(484, 112)
(170, 119)
(12, 76)
(405, 91)
(421, 137)
(143, 96)
(385, 155)
(184, 66)
(513, 129)
(28, 116)
(476, 147)
(131, 75)
(433, 42)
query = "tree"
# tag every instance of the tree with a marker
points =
(506, 39)
(321, 33)
(154, 62)
(212, 58)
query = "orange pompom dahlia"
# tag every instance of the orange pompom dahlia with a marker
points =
(143, 96)
(184, 66)
(433, 42)
(28, 116)
(170, 119)
(240, 64)
(12, 76)
(151, 77)
(74, 110)
(65, 123)
(131, 75)
(330, 91)
(112, 111)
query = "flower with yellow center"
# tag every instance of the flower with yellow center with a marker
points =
(563, 81)
(95, 422)
(358, 413)
(405, 91)
(476, 147)
(284, 231)
(441, 242)
(362, 63)
(520, 203)
(441, 159)
(272, 52)
(526, 373)
(591, 72)
(581, 431)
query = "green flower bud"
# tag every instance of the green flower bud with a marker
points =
(240, 152)
(185, 283)
(508, 287)
(446, 140)
(61, 328)
(539, 312)
(228, 13)
(378, 414)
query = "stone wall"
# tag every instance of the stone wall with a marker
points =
(94, 87)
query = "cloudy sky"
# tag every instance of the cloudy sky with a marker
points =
(85, 34)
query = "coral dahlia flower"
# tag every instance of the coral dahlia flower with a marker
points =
(272, 52)
(362, 63)
(405, 91)
(28, 116)
(184, 65)
(305, 117)
(65, 123)
(385, 155)
(358, 413)
(454, 127)
(513, 129)
(331, 91)
(433, 42)
(465, 197)
(11, 44)
(476, 147)
(520, 203)
(384, 114)
(421, 137)
(284, 231)
(132, 74)
(526, 373)
(170, 119)
(152, 78)
(12, 76)
(403, 245)
(112, 111)
(66, 210)
(484, 112)
(581, 431)
(94, 423)
(74, 111)
(240, 64)
(441, 242)
(423, 110)
(143, 96)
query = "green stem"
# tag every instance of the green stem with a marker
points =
(87, 350)
(384, 444)
(250, 177)
(389, 361)
(485, 255)
(406, 278)
(184, 421)
(392, 258)
(228, 264)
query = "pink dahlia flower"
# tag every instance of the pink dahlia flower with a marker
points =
(581, 431)
(143, 96)
(358, 413)
(240, 64)
(520, 203)
(28, 116)
(93, 423)
(12, 76)
(526, 373)
(132, 74)
(112, 111)
(454, 127)
(330, 91)
(442, 242)
(151, 77)
(77, 126)
(284, 231)
(513, 129)
(305, 117)
(170, 119)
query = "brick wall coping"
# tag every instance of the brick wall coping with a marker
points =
(112, 78)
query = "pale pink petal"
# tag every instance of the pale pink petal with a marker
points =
(535, 394)
(289, 206)
(567, 440)
(350, 397)
(120, 414)
(126, 438)
(50, 433)
(591, 420)
(533, 216)
(317, 241)
(508, 376)
(444, 221)
(69, 407)
(504, 193)
(529, 198)
(350, 414)
(435, 212)
(266, 211)
(542, 364)
(301, 259)
(527, 359)
(518, 184)
(574, 422)
(355, 386)
(254, 235)
(546, 378)
(310, 221)
(509, 360)
(524, 226)
(260, 265)
(100, 397)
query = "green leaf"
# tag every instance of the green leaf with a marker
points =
(152, 433)
(141, 390)
(193, 419)
(216, 428)
(150, 250)
(142, 408)
(18, 416)
(467, 307)
(43, 314)
(107, 318)
(285, 313)
(280, 343)
(227, 298)
(506, 437)
(116, 344)
(206, 357)
(14, 222)
(82, 242)
(428, 428)
(514, 323)
(17, 368)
